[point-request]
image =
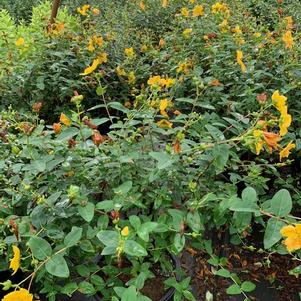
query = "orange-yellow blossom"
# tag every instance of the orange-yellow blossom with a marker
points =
(239, 57)
(65, 120)
(287, 38)
(197, 11)
(19, 295)
(293, 234)
(284, 153)
(15, 261)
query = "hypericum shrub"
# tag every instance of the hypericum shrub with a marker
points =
(153, 183)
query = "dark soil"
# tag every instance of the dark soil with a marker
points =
(154, 288)
(270, 273)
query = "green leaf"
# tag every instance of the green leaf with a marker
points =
(83, 270)
(248, 202)
(100, 91)
(272, 232)
(179, 242)
(129, 294)
(223, 273)
(234, 289)
(40, 248)
(105, 205)
(119, 290)
(108, 250)
(87, 212)
(39, 165)
(248, 286)
(68, 133)
(124, 188)
(221, 156)
(57, 266)
(108, 238)
(132, 248)
(249, 195)
(188, 295)
(164, 159)
(118, 106)
(177, 218)
(52, 198)
(194, 221)
(86, 288)
(98, 281)
(145, 229)
(69, 289)
(99, 121)
(135, 221)
(296, 271)
(215, 132)
(281, 203)
(143, 298)
(73, 237)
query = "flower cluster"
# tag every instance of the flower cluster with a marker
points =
(270, 139)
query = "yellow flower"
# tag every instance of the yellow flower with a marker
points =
(91, 68)
(257, 34)
(239, 56)
(183, 67)
(156, 81)
(143, 48)
(120, 71)
(162, 43)
(125, 231)
(284, 123)
(287, 38)
(98, 40)
(293, 234)
(102, 58)
(265, 138)
(83, 10)
(187, 32)
(219, 8)
(185, 12)
(279, 101)
(95, 11)
(237, 30)
(258, 141)
(20, 42)
(164, 124)
(91, 47)
(169, 82)
(164, 3)
(198, 11)
(271, 140)
(129, 52)
(57, 128)
(163, 106)
(289, 23)
(20, 295)
(15, 261)
(284, 153)
(142, 5)
(65, 120)
(241, 42)
(131, 77)
(224, 27)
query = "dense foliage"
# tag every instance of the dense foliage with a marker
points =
(134, 129)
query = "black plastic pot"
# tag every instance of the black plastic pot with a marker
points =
(77, 296)
(263, 290)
